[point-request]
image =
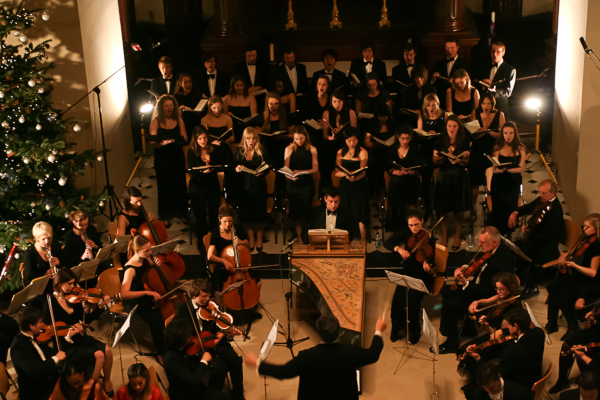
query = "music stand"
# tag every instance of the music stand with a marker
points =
(537, 323)
(165, 247)
(327, 237)
(409, 283)
(266, 347)
(36, 288)
(432, 337)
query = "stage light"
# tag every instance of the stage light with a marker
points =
(533, 104)
(146, 108)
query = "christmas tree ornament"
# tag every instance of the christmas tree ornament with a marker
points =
(33, 205)
(1, 94)
(22, 119)
(47, 175)
(41, 90)
(31, 82)
(22, 38)
(62, 181)
(76, 128)
(101, 203)
(41, 181)
(51, 158)
(54, 151)
(26, 160)
(38, 127)
(17, 255)
(99, 158)
(45, 16)
(5, 124)
(9, 153)
(48, 207)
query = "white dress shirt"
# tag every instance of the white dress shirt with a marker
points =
(450, 64)
(369, 67)
(330, 219)
(293, 74)
(168, 83)
(500, 394)
(494, 70)
(251, 72)
(39, 350)
(409, 69)
(212, 83)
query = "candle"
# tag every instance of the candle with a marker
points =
(271, 52)
(384, 3)
(493, 17)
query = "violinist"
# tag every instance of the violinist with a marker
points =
(43, 257)
(77, 345)
(83, 241)
(581, 281)
(455, 303)
(544, 230)
(224, 357)
(521, 362)
(493, 386)
(414, 268)
(186, 374)
(75, 384)
(588, 388)
(35, 363)
(134, 292)
(131, 218)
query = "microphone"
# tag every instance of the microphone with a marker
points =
(584, 44)
(290, 244)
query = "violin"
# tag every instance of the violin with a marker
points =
(580, 247)
(93, 296)
(209, 341)
(248, 295)
(161, 278)
(537, 217)
(425, 252)
(223, 320)
(473, 267)
(489, 343)
(47, 332)
(498, 309)
(585, 348)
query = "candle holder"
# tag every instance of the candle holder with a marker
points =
(290, 22)
(384, 16)
(335, 22)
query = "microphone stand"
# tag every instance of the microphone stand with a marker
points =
(289, 342)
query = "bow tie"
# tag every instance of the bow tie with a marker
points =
(167, 79)
(494, 65)
(368, 62)
(449, 60)
(290, 66)
(210, 76)
(328, 73)
(410, 65)
(329, 212)
(250, 63)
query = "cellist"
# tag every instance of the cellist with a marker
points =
(134, 293)
(131, 218)
(543, 232)
(455, 303)
(420, 270)
(224, 357)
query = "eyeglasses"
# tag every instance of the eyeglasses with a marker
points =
(501, 289)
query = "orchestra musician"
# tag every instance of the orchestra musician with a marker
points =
(169, 161)
(507, 180)
(328, 370)
(74, 383)
(501, 78)
(353, 188)
(367, 64)
(462, 99)
(134, 292)
(186, 374)
(580, 282)
(413, 96)
(9, 328)
(139, 386)
(35, 363)
(301, 156)
(493, 387)
(131, 217)
(96, 356)
(543, 237)
(165, 84)
(239, 103)
(588, 387)
(212, 82)
(83, 241)
(224, 357)
(333, 216)
(292, 74)
(403, 71)
(446, 68)
(452, 185)
(455, 303)
(420, 270)
(335, 76)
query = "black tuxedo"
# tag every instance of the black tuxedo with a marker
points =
(441, 85)
(337, 79)
(282, 73)
(358, 68)
(410, 100)
(159, 86)
(512, 391)
(222, 85)
(542, 245)
(261, 77)
(341, 221)
(506, 73)
(572, 394)
(36, 378)
(400, 73)
(327, 371)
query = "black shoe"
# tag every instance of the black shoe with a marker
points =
(257, 315)
(448, 347)
(394, 335)
(551, 328)
(559, 387)
(414, 338)
(570, 332)
(259, 249)
(534, 291)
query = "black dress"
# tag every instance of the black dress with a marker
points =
(505, 188)
(378, 154)
(239, 126)
(35, 266)
(327, 152)
(220, 273)
(231, 182)
(452, 189)
(191, 119)
(276, 144)
(169, 164)
(369, 105)
(315, 111)
(75, 246)
(300, 191)
(403, 191)
(135, 221)
(205, 192)
(426, 145)
(354, 196)
(481, 146)
(463, 107)
(253, 188)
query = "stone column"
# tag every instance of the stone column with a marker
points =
(228, 18)
(450, 16)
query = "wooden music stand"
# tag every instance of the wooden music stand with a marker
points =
(325, 238)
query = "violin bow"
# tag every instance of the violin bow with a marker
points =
(498, 303)
(422, 240)
(53, 322)
(171, 291)
(194, 318)
(229, 289)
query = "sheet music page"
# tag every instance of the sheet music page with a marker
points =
(430, 333)
(268, 344)
(124, 328)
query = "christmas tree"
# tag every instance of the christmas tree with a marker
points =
(37, 163)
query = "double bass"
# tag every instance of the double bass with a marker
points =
(161, 278)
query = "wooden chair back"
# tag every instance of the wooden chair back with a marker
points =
(221, 177)
(316, 181)
(187, 174)
(539, 387)
(386, 178)
(436, 172)
(109, 284)
(4, 383)
(206, 241)
(573, 232)
(489, 173)
(335, 180)
(168, 320)
(270, 178)
(441, 259)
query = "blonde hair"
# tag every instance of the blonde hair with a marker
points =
(136, 244)
(77, 215)
(428, 99)
(41, 228)
(461, 74)
(594, 219)
(251, 131)
(301, 130)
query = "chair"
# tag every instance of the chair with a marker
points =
(4, 383)
(384, 204)
(154, 381)
(112, 235)
(441, 259)
(316, 182)
(539, 386)
(109, 284)
(206, 241)
(221, 177)
(573, 232)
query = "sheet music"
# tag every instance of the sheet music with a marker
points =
(86, 270)
(430, 333)
(268, 344)
(124, 328)
(537, 323)
(165, 247)
(407, 281)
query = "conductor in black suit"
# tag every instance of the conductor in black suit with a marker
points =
(332, 217)
(165, 84)
(255, 73)
(211, 81)
(446, 67)
(366, 64)
(292, 74)
(491, 384)
(589, 387)
(336, 77)
(328, 370)
(501, 77)
(543, 239)
(34, 363)
(403, 71)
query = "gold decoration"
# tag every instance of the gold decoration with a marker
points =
(335, 22)
(384, 16)
(290, 23)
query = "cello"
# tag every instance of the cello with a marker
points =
(248, 295)
(161, 278)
